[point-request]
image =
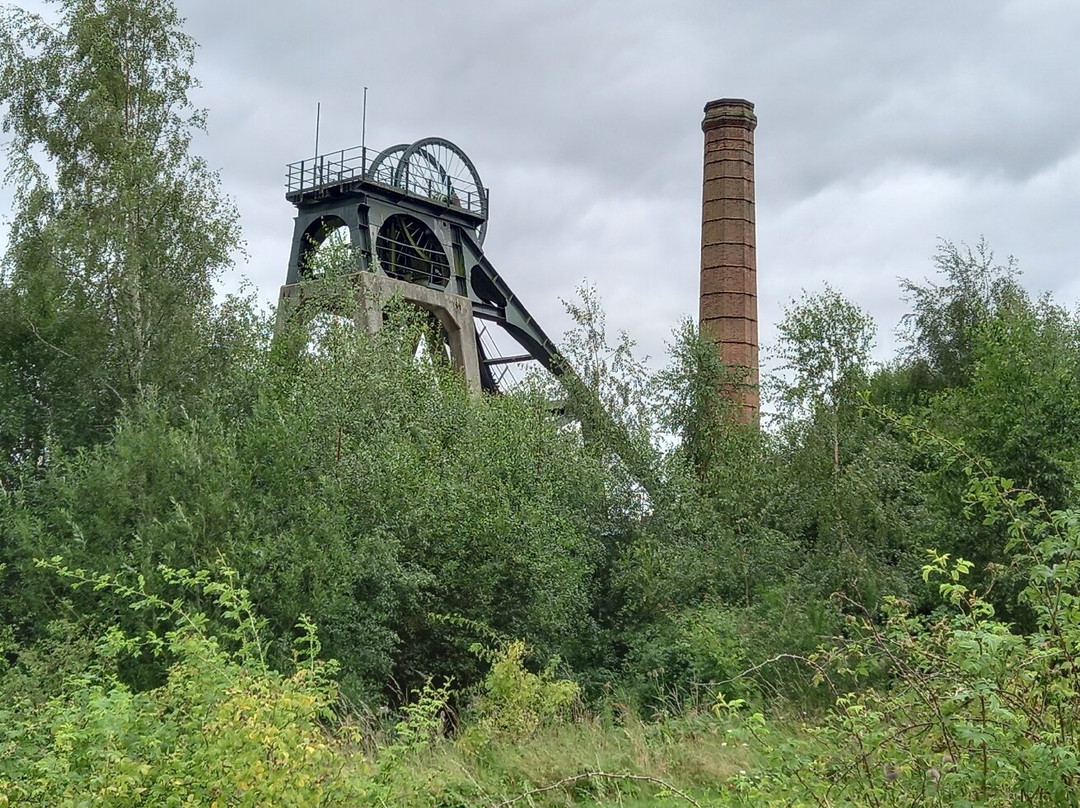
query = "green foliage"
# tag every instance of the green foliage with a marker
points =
(52, 362)
(665, 551)
(945, 316)
(513, 701)
(696, 399)
(847, 492)
(119, 232)
(609, 369)
(975, 714)
(32, 674)
(592, 760)
(222, 729)
(608, 391)
(707, 538)
(689, 659)
(1014, 417)
(1022, 401)
(423, 721)
(360, 487)
(824, 353)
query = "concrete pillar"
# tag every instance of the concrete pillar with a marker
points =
(371, 293)
(728, 302)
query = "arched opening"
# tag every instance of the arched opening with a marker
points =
(326, 249)
(409, 251)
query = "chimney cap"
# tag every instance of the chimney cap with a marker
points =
(728, 111)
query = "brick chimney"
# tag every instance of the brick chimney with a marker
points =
(728, 304)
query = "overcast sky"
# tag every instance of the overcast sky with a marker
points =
(882, 126)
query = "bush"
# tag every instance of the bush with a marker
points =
(975, 714)
(514, 702)
(684, 660)
(223, 729)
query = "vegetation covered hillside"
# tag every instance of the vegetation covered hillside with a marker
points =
(313, 570)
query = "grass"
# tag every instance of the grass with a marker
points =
(589, 761)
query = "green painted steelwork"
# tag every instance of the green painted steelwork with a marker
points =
(418, 213)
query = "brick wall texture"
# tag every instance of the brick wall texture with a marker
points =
(728, 312)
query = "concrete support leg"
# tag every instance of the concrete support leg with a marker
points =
(370, 293)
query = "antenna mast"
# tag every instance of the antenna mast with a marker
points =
(363, 127)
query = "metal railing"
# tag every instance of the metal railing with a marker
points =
(328, 169)
(426, 178)
(500, 367)
(422, 176)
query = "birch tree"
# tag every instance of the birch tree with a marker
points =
(118, 228)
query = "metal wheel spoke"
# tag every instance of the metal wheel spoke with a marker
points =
(409, 251)
(384, 167)
(439, 170)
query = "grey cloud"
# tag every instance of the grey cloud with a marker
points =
(882, 125)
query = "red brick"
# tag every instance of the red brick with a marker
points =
(727, 231)
(714, 210)
(728, 167)
(729, 150)
(727, 329)
(723, 256)
(730, 304)
(728, 297)
(739, 354)
(728, 188)
(729, 132)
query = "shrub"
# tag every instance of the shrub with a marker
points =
(690, 657)
(975, 714)
(515, 702)
(223, 729)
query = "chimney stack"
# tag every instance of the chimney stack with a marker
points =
(728, 303)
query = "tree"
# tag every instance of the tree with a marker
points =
(607, 388)
(1017, 416)
(363, 488)
(119, 232)
(849, 495)
(697, 405)
(945, 316)
(824, 350)
(1022, 406)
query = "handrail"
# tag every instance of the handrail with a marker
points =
(337, 168)
(324, 170)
